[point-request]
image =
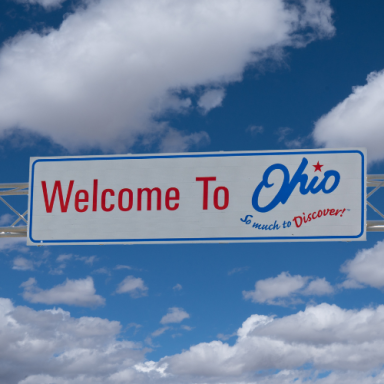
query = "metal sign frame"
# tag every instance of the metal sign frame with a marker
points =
(18, 228)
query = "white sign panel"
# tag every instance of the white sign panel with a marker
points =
(303, 195)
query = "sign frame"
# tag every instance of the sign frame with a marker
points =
(34, 162)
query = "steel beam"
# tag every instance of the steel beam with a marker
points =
(14, 189)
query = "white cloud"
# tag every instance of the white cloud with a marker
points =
(115, 65)
(357, 121)
(174, 141)
(159, 331)
(318, 287)
(51, 347)
(174, 315)
(224, 337)
(102, 270)
(22, 264)
(325, 337)
(284, 289)
(6, 219)
(275, 287)
(366, 268)
(87, 259)
(59, 270)
(134, 286)
(123, 267)
(72, 292)
(211, 99)
(13, 244)
(177, 287)
(48, 4)
(64, 257)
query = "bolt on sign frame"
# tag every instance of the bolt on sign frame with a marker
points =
(122, 191)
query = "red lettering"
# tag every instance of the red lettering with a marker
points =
(130, 200)
(103, 200)
(57, 186)
(78, 200)
(149, 198)
(295, 219)
(205, 181)
(216, 198)
(168, 198)
(299, 220)
(94, 206)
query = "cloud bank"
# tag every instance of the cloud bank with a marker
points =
(357, 121)
(115, 66)
(51, 347)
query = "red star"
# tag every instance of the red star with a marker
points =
(318, 167)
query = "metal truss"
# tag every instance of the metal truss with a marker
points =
(376, 182)
(19, 227)
(15, 229)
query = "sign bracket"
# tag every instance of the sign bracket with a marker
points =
(376, 182)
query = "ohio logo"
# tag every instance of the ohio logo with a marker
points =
(289, 185)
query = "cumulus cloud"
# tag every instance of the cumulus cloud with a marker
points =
(211, 99)
(80, 292)
(325, 337)
(318, 287)
(51, 346)
(174, 315)
(367, 268)
(134, 286)
(284, 289)
(23, 264)
(357, 121)
(115, 66)
(47, 4)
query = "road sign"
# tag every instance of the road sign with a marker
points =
(303, 195)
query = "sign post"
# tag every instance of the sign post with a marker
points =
(303, 195)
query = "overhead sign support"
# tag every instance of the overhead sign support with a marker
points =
(212, 197)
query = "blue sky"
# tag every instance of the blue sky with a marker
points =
(129, 76)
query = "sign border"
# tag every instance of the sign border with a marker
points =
(194, 240)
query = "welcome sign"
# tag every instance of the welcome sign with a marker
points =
(303, 195)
